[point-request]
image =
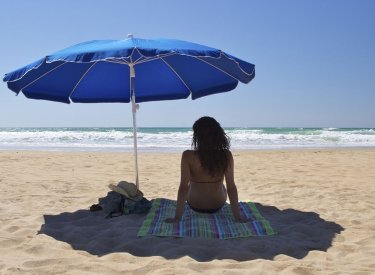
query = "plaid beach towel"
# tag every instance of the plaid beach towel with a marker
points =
(220, 225)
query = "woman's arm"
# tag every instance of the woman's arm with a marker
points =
(232, 189)
(183, 189)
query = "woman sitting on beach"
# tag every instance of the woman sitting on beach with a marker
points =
(203, 171)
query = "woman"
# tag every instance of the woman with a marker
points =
(203, 171)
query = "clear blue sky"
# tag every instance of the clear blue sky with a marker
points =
(315, 60)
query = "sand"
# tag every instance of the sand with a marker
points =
(320, 202)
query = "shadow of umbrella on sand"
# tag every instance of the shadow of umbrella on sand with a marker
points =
(131, 70)
(298, 233)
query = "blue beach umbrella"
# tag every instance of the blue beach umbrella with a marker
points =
(131, 70)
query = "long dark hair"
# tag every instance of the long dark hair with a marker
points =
(211, 145)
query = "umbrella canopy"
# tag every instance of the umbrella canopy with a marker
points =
(136, 70)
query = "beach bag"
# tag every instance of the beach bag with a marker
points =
(135, 207)
(111, 203)
(115, 204)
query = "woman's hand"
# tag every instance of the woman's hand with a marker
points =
(171, 220)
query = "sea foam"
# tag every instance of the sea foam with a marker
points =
(178, 139)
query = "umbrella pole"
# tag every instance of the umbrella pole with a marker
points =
(134, 110)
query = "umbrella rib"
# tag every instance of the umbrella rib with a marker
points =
(177, 75)
(198, 58)
(238, 65)
(154, 58)
(117, 61)
(140, 56)
(43, 75)
(79, 81)
(144, 58)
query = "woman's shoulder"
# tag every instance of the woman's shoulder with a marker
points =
(188, 153)
(188, 156)
(228, 152)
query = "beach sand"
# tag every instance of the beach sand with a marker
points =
(319, 201)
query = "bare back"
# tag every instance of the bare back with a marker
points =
(205, 191)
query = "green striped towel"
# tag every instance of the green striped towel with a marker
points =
(220, 225)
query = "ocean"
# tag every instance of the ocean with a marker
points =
(179, 139)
